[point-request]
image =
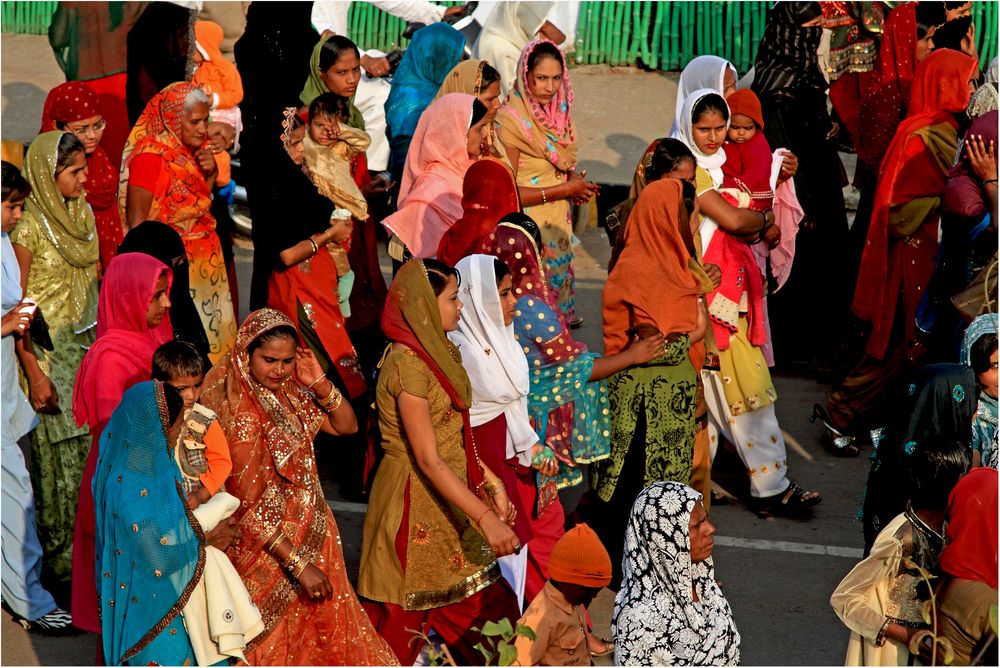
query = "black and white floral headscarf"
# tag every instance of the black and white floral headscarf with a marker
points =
(655, 622)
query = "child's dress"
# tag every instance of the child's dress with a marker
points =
(221, 81)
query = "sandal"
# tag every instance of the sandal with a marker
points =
(835, 442)
(793, 502)
(609, 648)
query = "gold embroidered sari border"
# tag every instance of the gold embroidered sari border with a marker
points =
(475, 583)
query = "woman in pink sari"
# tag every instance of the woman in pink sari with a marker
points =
(430, 194)
(132, 321)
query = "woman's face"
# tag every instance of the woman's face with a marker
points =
(295, 148)
(343, 76)
(11, 211)
(544, 81)
(709, 131)
(508, 300)
(273, 361)
(89, 130)
(475, 141)
(701, 532)
(159, 305)
(450, 305)
(684, 171)
(728, 83)
(490, 97)
(987, 379)
(925, 45)
(70, 181)
(194, 127)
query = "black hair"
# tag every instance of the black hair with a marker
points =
(707, 104)
(15, 187)
(981, 351)
(934, 468)
(330, 105)
(438, 274)
(929, 14)
(500, 269)
(276, 334)
(69, 146)
(174, 401)
(333, 49)
(667, 156)
(478, 111)
(174, 359)
(688, 195)
(545, 50)
(487, 77)
(951, 34)
(526, 223)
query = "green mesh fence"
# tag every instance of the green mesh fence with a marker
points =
(661, 35)
(26, 18)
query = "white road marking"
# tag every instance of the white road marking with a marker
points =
(725, 541)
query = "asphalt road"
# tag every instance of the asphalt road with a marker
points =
(777, 574)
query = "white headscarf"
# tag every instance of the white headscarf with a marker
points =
(497, 367)
(710, 163)
(510, 27)
(702, 72)
(655, 622)
(980, 327)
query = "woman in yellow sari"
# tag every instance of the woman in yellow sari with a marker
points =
(165, 176)
(540, 141)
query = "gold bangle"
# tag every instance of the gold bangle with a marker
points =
(544, 199)
(315, 246)
(332, 401)
(495, 490)
(319, 378)
(293, 561)
(275, 541)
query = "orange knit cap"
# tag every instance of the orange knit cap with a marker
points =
(746, 102)
(579, 558)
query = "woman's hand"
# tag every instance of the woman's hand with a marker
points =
(504, 508)
(307, 368)
(375, 67)
(543, 460)
(206, 161)
(772, 237)
(224, 535)
(377, 186)
(16, 322)
(340, 230)
(500, 537)
(714, 272)
(644, 350)
(580, 190)
(789, 166)
(314, 583)
(982, 158)
(43, 395)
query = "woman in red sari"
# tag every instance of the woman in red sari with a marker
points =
(75, 107)
(272, 399)
(165, 176)
(902, 241)
(132, 321)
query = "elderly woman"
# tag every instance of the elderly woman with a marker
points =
(480, 79)
(434, 51)
(272, 399)
(670, 610)
(75, 107)
(57, 252)
(538, 135)
(166, 176)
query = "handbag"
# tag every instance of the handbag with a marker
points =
(39, 331)
(980, 296)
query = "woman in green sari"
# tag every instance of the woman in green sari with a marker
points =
(57, 250)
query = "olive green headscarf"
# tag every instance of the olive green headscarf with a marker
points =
(315, 87)
(67, 223)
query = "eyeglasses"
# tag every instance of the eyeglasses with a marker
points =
(88, 129)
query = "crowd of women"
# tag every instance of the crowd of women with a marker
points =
(170, 448)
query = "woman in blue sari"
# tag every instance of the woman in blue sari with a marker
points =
(434, 51)
(568, 399)
(150, 549)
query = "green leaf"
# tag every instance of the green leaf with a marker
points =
(993, 619)
(527, 632)
(508, 654)
(487, 654)
(500, 628)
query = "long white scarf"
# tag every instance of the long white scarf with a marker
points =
(703, 72)
(497, 367)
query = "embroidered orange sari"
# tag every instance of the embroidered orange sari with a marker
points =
(274, 474)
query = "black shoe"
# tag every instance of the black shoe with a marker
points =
(57, 622)
(835, 442)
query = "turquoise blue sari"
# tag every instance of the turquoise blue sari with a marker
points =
(150, 549)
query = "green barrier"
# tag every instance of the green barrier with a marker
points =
(26, 18)
(660, 35)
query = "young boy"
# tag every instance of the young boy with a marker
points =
(579, 568)
(202, 452)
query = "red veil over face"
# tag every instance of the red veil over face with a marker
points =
(971, 543)
(488, 194)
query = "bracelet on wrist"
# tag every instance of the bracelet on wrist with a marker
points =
(319, 378)
(880, 638)
(479, 521)
(332, 401)
(544, 198)
(278, 537)
(315, 247)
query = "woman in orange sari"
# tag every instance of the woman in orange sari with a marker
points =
(290, 556)
(165, 176)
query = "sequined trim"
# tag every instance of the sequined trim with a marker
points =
(425, 600)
